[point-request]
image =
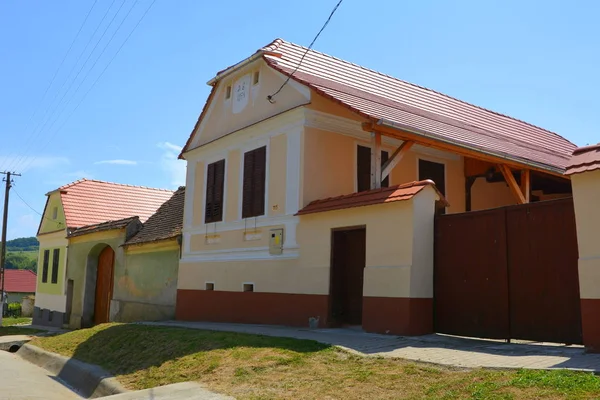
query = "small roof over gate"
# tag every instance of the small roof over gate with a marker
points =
(390, 194)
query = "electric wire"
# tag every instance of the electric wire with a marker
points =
(271, 96)
(37, 108)
(37, 130)
(51, 137)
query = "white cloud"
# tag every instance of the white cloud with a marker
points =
(117, 162)
(24, 164)
(171, 165)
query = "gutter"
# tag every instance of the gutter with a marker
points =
(396, 126)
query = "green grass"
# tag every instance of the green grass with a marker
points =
(259, 367)
(10, 327)
(10, 321)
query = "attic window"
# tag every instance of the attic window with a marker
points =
(54, 212)
(256, 78)
(228, 92)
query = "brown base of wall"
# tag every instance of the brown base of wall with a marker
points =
(590, 324)
(398, 316)
(251, 307)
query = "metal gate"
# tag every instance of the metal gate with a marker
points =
(509, 272)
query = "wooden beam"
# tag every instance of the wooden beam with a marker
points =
(395, 159)
(454, 148)
(526, 185)
(375, 160)
(512, 183)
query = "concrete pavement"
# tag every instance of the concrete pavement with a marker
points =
(437, 349)
(20, 380)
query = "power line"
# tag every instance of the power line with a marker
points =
(51, 137)
(36, 131)
(37, 108)
(33, 209)
(94, 63)
(270, 97)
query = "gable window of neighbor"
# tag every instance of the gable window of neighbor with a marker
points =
(45, 266)
(215, 183)
(363, 168)
(55, 258)
(54, 212)
(253, 189)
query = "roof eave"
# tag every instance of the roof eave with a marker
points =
(241, 64)
(405, 128)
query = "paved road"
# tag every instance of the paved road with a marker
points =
(20, 380)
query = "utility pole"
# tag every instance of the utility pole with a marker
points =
(9, 182)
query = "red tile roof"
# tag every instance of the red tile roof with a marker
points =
(19, 281)
(420, 110)
(104, 226)
(390, 194)
(88, 202)
(584, 159)
(166, 223)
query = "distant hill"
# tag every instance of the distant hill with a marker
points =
(22, 253)
(23, 244)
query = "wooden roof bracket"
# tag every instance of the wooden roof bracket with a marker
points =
(397, 131)
(512, 184)
(395, 158)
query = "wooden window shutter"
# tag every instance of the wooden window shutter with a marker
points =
(55, 259)
(363, 168)
(260, 171)
(45, 266)
(247, 185)
(253, 196)
(215, 182)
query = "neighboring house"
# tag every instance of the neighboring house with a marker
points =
(19, 283)
(312, 189)
(82, 227)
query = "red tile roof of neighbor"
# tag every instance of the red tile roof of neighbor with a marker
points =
(88, 202)
(19, 281)
(166, 223)
(584, 159)
(390, 194)
(418, 110)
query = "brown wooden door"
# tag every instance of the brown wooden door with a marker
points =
(104, 285)
(347, 276)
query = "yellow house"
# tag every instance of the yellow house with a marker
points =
(91, 207)
(312, 188)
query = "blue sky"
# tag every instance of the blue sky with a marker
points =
(535, 60)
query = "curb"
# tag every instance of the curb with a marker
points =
(90, 381)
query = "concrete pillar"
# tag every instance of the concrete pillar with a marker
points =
(586, 197)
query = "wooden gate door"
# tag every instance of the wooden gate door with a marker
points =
(470, 280)
(509, 273)
(543, 274)
(347, 276)
(104, 285)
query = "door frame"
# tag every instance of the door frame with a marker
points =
(331, 321)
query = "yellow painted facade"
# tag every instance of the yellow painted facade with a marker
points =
(311, 154)
(586, 197)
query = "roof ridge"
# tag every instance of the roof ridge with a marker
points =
(68, 185)
(421, 87)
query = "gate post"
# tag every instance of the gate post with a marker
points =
(584, 169)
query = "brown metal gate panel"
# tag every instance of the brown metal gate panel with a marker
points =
(542, 270)
(510, 272)
(470, 280)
